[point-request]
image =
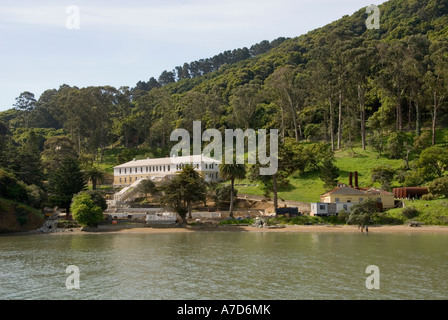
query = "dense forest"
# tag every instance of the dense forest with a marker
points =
(341, 85)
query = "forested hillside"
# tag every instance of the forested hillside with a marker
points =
(340, 86)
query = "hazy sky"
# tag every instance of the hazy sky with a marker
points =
(121, 42)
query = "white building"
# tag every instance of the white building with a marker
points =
(160, 169)
(329, 209)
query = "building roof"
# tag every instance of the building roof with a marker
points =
(168, 160)
(344, 190)
(349, 191)
(378, 191)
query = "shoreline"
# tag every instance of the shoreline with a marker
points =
(142, 229)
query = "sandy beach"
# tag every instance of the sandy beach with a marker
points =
(141, 228)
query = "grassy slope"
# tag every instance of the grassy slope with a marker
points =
(434, 212)
(308, 187)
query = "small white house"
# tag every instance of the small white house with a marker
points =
(330, 209)
(318, 209)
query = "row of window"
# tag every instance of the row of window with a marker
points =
(125, 180)
(147, 169)
(360, 200)
(324, 207)
(160, 168)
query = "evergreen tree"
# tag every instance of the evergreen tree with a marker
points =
(67, 180)
(29, 167)
(185, 189)
(329, 174)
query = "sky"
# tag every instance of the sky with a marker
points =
(47, 43)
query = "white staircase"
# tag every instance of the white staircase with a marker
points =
(126, 194)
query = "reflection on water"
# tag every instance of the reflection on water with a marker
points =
(242, 266)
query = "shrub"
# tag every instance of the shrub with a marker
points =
(429, 196)
(36, 196)
(222, 194)
(84, 210)
(439, 187)
(343, 216)
(312, 131)
(302, 220)
(413, 178)
(410, 212)
(396, 145)
(11, 188)
(383, 175)
(362, 212)
(235, 221)
(423, 141)
(97, 198)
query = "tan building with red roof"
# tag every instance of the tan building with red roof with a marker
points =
(344, 197)
(346, 194)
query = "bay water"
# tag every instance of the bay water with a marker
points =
(225, 266)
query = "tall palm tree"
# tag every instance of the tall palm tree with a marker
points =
(94, 174)
(232, 171)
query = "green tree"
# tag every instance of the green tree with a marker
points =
(323, 83)
(84, 210)
(36, 196)
(376, 142)
(147, 187)
(396, 145)
(56, 149)
(232, 172)
(384, 175)
(416, 63)
(393, 76)
(97, 198)
(67, 181)
(362, 212)
(11, 188)
(223, 194)
(126, 155)
(422, 141)
(439, 187)
(94, 174)
(360, 68)
(329, 174)
(288, 95)
(244, 100)
(181, 192)
(433, 162)
(166, 77)
(436, 80)
(29, 165)
(289, 160)
(25, 103)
